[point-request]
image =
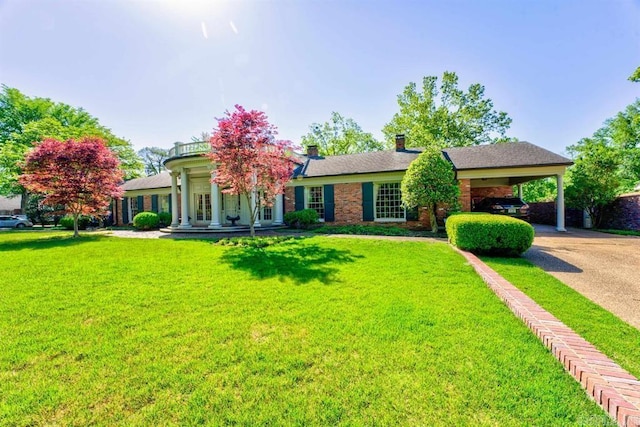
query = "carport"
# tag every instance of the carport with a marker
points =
(493, 170)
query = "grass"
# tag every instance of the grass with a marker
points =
(614, 337)
(619, 232)
(313, 331)
(375, 230)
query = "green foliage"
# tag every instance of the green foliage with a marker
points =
(430, 180)
(635, 77)
(490, 234)
(146, 221)
(364, 230)
(254, 242)
(446, 116)
(540, 190)
(594, 179)
(164, 219)
(42, 214)
(340, 135)
(25, 121)
(67, 222)
(153, 159)
(301, 219)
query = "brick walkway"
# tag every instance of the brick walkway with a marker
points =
(613, 388)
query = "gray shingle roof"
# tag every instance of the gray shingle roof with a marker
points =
(512, 154)
(346, 164)
(161, 180)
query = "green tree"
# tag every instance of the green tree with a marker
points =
(540, 190)
(635, 77)
(430, 180)
(153, 159)
(594, 181)
(340, 135)
(445, 116)
(623, 134)
(25, 121)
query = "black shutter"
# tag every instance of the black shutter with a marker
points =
(140, 204)
(413, 214)
(329, 205)
(367, 201)
(170, 201)
(299, 202)
(154, 203)
(125, 211)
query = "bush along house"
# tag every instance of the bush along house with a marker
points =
(361, 188)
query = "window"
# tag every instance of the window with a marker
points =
(134, 207)
(389, 202)
(266, 212)
(163, 203)
(316, 201)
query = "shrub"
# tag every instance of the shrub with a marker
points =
(67, 222)
(164, 219)
(301, 219)
(490, 234)
(146, 221)
(254, 242)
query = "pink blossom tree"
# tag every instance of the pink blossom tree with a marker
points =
(83, 176)
(249, 160)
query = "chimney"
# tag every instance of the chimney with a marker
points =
(312, 151)
(400, 142)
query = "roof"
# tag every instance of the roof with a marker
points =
(347, 164)
(161, 180)
(10, 203)
(506, 155)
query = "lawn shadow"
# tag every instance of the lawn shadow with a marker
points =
(301, 263)
(541, 256)
(47, 242)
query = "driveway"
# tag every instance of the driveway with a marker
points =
(603, 267)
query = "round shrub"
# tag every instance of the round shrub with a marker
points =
(301, 219)
(67, 222)
(164, 219)
(146, 221)
(490, 234)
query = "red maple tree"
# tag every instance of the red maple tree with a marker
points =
(249, 159)
(83, 176)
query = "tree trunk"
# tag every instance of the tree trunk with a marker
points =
(23, 201)
(433, 219)
(75, 225)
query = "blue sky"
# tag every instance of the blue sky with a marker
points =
(156, 72)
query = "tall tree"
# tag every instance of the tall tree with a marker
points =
(540, 190)
(83, 176)
(340, 135)
(635, 77)
(430, 179)
(594, 181)
(25, 121)
(249, 159)
(445, 116)
(153, 159)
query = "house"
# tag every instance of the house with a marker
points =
(10, 205)
(347, 189)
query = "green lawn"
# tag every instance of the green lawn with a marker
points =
(614, 337)
(316, 331)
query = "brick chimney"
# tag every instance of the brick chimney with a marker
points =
(312, 151)
(400, 142)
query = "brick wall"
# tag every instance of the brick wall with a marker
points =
(623, 214)
(480, 193)
(465, 194)
(348, 203)
(289, 199)
(545, 213)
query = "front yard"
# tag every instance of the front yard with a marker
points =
(314, 331)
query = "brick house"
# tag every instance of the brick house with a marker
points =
(347, 189)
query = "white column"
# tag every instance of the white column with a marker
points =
(560, 205)
(520, 191)
(215, 203)
(174, 200)
(277, 219)
(184, 193)
(254, 201)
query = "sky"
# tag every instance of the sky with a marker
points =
(157, 72)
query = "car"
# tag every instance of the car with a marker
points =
(511, 206)
(13, 221)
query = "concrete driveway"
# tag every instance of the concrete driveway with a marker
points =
(603, 267)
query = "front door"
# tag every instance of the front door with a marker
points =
(230, 208)
(203, 208)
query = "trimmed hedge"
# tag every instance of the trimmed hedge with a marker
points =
(164, 219)
(301, 219)
(146, 221)
(490, 234)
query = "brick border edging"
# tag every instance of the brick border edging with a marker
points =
(612, 387)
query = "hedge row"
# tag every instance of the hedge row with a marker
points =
(489, 234)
